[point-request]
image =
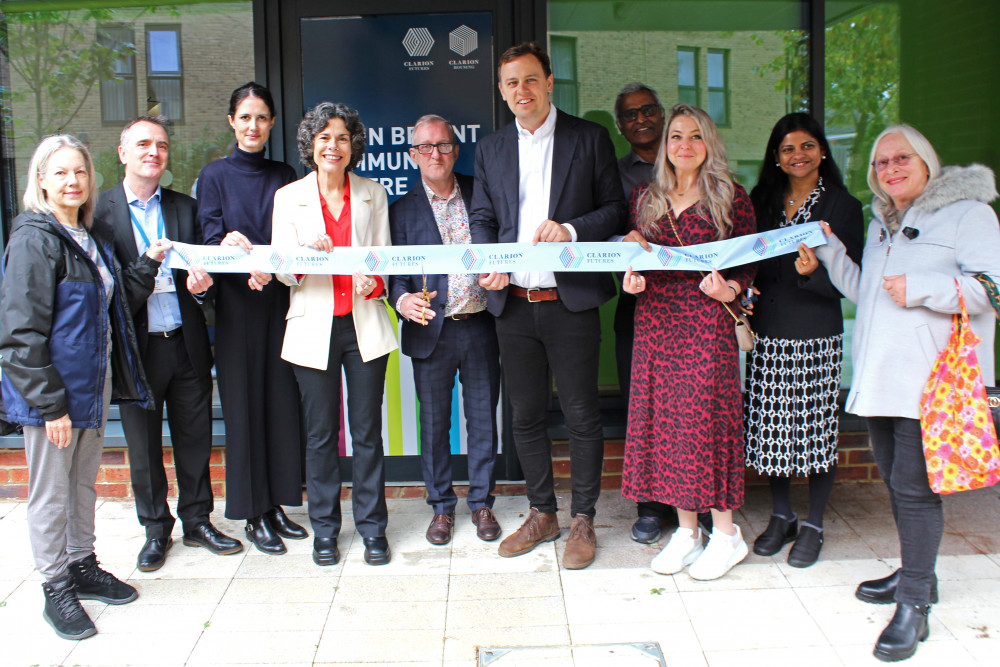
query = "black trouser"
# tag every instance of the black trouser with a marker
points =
(534, 339)
(188, 395)
(320, 392)
(896, 444)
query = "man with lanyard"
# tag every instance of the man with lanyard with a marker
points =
(177, 355)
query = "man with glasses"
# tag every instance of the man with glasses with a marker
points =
(447, 330)
(640, 119)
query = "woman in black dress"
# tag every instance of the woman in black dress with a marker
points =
(259, 396)
(793, 374)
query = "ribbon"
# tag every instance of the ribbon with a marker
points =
(499, 257)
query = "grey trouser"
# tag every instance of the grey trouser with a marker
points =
(61, 494)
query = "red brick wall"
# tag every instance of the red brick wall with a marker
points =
(856, 465)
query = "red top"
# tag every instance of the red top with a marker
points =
(339, 231)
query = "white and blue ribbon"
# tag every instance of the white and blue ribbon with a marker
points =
(499, 257)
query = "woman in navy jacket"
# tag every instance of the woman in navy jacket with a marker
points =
(68, 348)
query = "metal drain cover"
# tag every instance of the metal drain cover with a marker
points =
(636, 654)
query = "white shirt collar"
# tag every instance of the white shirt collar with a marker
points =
(544, 131)
(131, 197)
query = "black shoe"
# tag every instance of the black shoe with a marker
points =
(377, 551)
(153, 554)
(325, 551)
(260, 535)
(883, 591)
(283, 526)
(63, 610)
(93, 583)
(779, 532)
(208, 536)
(646, 529)
(806, 549)
(907, 628)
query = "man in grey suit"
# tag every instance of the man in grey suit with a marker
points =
(446, 331)
(175, 350)
(548, 177)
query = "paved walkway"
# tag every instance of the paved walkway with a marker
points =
(438, 605)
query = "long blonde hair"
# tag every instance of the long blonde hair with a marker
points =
(713, 178)
(34, 198)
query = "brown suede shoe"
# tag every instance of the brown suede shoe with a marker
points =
(537, 528)
(439, 532)
(487, 528)
(581, 543)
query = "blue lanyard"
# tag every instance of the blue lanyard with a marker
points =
(159, 227)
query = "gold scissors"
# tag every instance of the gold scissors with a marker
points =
(426, 297)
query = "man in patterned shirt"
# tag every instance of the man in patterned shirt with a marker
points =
(447, 330)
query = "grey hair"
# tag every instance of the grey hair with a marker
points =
(628, 89)
(155, 120)
(921, 146)
(34, 196)
(426, 119)
(316, 120)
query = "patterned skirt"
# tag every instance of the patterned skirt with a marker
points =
(790, 406)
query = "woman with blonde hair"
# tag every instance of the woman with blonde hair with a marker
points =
(685, 433)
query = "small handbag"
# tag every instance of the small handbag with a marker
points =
(958, 433)
(745, 337)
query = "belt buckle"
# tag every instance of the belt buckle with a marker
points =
(529, 291)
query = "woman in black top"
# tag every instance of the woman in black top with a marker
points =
(793, 373)
(259, 396)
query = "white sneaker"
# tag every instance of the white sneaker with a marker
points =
(721, 554)
(683, 549)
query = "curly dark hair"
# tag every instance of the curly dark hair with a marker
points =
(772, 181)
(316, 120)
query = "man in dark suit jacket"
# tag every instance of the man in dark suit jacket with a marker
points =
(176, 353)
(548, 177)
(447, 331)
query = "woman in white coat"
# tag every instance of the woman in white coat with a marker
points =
(338, 322)
(931, 228)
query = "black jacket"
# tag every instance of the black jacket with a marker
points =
(52, 328)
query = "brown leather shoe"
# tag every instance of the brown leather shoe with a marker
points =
(581, 543)
(439, 532)
(537, 528)
(487, 528)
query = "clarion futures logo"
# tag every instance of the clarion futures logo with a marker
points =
(279, 261)
(761, 245)
(570, 257)
(666, 257)
(463, 40)
(418, 42)
(471, 261)
(376, 261)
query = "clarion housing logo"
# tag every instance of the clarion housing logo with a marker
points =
(471, 261)
(463, 40)
(376, 261)
(418, 42)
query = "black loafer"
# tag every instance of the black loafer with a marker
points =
(883, 591)
(806, 549)
(377, 551)
(153, 554)
(208, 536)
(905, 631)
(261, 536)
(325, 551)
(646, 529)
(779, 532)
(283, 526)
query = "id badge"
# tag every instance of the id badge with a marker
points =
(164, 284)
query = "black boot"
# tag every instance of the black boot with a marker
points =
(63, 610)
(283, 526)
(93, 583)
(883, 591)
(907, 628)
(779, 532)
(259, 533)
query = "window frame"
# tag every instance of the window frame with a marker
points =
(152, 76)
(724, 89)
(133, 77)
(696, 89)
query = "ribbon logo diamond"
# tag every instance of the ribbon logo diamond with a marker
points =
(762, 244)
(376, 261)
(279, 262)
(471, 261)
(570, 257)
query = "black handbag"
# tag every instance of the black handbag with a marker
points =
(993, 400)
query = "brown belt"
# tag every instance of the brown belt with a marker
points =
(535, 294)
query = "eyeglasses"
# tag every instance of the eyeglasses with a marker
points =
(899, 160)
(648, 110)
(427, 149)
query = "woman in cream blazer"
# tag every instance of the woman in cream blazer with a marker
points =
(335, 323)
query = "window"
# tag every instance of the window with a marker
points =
(563, 56)
(718, 86)
(687, 75)
(165, 85)
(118, 93)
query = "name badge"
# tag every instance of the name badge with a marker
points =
(164, 284)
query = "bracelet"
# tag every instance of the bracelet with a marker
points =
(736, 294)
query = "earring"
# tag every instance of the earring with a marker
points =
(824, 157)
(776, 164)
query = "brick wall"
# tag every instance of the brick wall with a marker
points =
(855, 465)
